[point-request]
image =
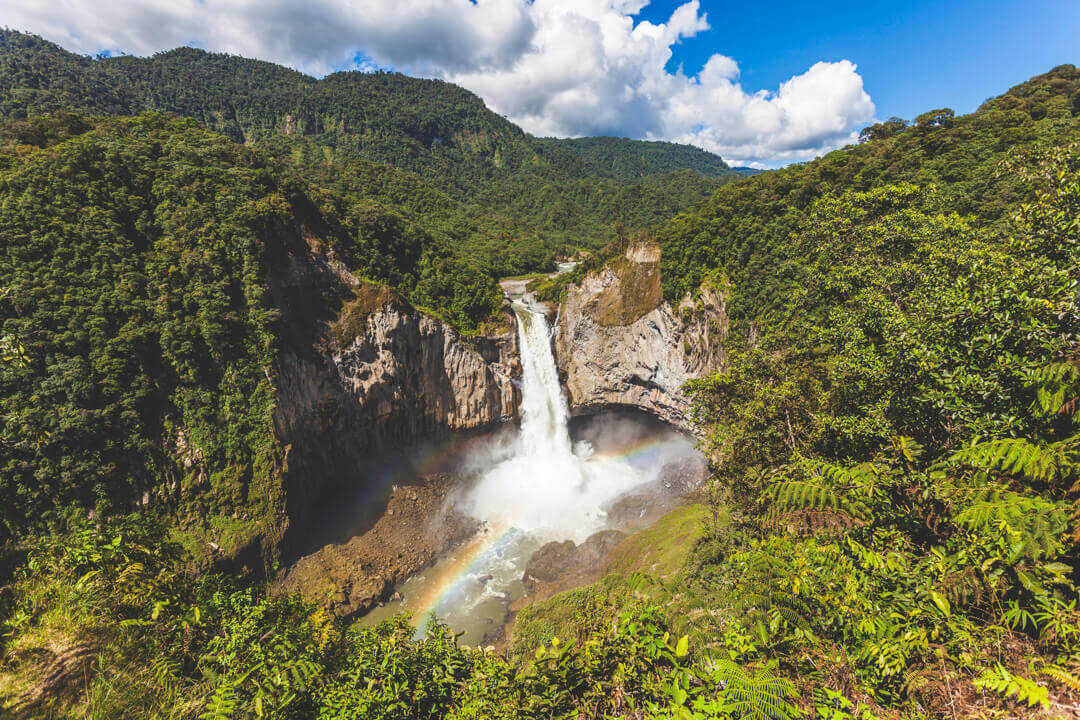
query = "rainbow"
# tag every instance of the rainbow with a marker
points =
(450, 579)
(639, 452)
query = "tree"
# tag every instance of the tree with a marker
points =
(882, 130)
(934, 119)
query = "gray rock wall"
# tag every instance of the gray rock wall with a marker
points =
(618, 343)
(363, 371)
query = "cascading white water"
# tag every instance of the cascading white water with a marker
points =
(543, 408)
(545, 488)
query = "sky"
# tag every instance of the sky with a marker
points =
(760, 83)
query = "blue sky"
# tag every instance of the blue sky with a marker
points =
(762, 84)
(913, 56)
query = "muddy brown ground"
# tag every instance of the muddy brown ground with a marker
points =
(416, 528)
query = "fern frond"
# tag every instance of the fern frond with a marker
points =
(222, 704)
(1063, 676)
(861, 475)
(1003, 682)
(1052, 383)
(755, 696)
(1016, 456)
(815, 505)
(815, 522)
(1034, 523)
(918, 679)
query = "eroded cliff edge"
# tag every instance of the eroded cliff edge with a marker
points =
(619, 343)
(362, 371)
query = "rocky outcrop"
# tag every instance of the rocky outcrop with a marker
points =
(408, 374)
(363, 371)
(560, 566)
(618, 343)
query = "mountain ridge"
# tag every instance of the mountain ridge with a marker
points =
(373, 104)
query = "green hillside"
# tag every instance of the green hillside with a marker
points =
(897, 423)
(896, 429)
(891, 526)
(635, 159)
(549, 196)
(746, 228)
(135, 254)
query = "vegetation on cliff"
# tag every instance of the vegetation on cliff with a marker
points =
(747, 228)
(897, 449)
(896, 429)
(138, 332)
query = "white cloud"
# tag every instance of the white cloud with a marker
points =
(312, 35)
(556, 67)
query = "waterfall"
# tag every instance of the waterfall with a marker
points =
(544, 486)
(543, 408)
(537, 488)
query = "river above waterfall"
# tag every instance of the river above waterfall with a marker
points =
(553, 480)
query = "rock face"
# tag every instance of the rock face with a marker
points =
(363, 371)
(409, 374)
(619, 343)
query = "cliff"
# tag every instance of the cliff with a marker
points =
(618, 343)
(364, 371)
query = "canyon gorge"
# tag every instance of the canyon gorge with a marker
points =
(604, 448)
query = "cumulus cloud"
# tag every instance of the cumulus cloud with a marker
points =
(315, 36)
(556, 67)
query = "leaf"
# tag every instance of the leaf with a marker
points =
(941, 601)
(1030, 583)
(1003, 682)
(683, 646)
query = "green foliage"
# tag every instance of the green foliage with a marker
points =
(133, 257)
(523, 197)
(222, 705)
(635, 159)
(815, 505)
(900, 439)
(1001, 681)
(745, 228)
(1031, 527)
(138, 328)
(212, 651)
(895, 420)
(755, 695)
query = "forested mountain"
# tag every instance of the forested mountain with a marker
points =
(437, 130)
(897, 422)
(746, 229)
(895, 431)
(634, 159)
(136, 254)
